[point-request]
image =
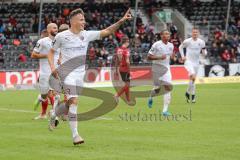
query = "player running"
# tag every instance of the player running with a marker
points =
(74, 43)
(123, 67)
(40, 52)
(160, 54)
(194, 46)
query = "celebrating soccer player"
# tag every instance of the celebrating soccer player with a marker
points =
(40, 52)
(194, 46)
(74, 43)
(160, 54)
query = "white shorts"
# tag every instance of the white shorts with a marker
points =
(44, 83)
(73, 84)
(191, 68)
(165, 79)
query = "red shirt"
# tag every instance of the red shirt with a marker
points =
(124, 54)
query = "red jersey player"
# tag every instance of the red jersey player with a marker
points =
(123, 66)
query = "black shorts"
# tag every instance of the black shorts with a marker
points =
(125, 76)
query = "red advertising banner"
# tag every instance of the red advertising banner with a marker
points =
(92, 75)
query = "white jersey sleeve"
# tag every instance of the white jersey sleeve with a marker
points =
(184, 44)
(154, 49)
(92, 35)
(39, 46)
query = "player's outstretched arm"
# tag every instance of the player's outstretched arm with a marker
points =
(113, 28)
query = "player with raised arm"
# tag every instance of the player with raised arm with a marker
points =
(194, 46)
(74, 43)
(160, 54)
(40, 52)
(123, 67)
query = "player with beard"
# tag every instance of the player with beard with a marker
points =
(40, 52)
(73, 43)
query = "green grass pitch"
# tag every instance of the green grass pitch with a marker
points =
(212, 133)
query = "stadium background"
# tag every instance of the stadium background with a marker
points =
(218, 20)
(212, 132)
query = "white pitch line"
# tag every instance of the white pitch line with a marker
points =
(103, 118)
(27, 111)
(16, 110)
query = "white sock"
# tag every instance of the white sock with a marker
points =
(193, 89)
(72, 116)
(166, 101)
(190, 87)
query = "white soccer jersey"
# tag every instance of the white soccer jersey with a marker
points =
(193, 49)
(158, 49)
(43, 46)
(72, 45)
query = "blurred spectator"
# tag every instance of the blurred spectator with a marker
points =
(66, 12)
(12, 21)
(119, 35)
(217, 33)
(214, 50)
(2, 39)
(1, 57)
(136, 58)
(16, 42)
(173, 29)
(226, 56)
(92, 54)
(176, 42)
(141, 29)
(44, 33)
(233, 56)
(2, 28)
(35, 25)
(20, 33)
(22, 58)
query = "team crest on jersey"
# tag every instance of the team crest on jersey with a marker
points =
(67, 38)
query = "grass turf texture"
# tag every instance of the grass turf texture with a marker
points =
(213, 132)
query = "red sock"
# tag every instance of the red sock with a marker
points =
(52, 100)
(120, 92)
(127, 93)
(44, 106)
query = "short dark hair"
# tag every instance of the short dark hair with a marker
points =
(76, 12)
